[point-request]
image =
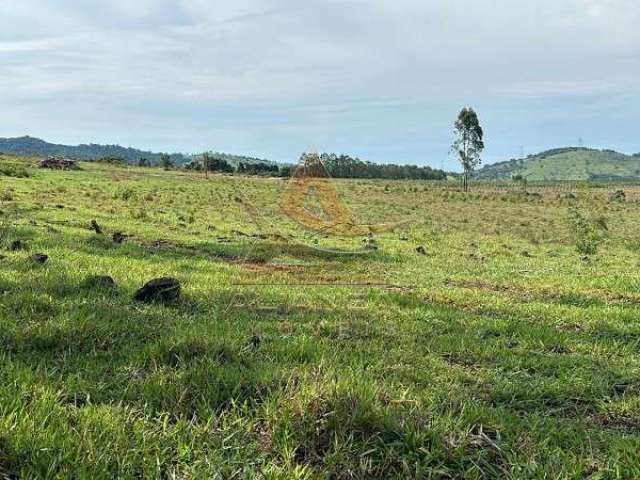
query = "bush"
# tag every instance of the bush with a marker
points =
(588, 233)
(618, 196)
(124, 194)
(6, 195)
(14, 171)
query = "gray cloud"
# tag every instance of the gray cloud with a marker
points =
(375, 78)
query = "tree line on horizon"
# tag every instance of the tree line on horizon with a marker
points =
(335, 166)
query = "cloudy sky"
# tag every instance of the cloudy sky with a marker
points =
(381, 79)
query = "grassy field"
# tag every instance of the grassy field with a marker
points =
(578, 165)
(506, 350)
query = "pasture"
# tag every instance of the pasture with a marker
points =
(494, 335)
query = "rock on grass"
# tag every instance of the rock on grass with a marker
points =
(159, 290)
(118, 237)
(39, 258)
(95, 227)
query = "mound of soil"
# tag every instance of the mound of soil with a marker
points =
(159, 290)
(58, 163)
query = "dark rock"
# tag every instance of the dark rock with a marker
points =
(99, 282)
(17, 245)
(421, 250)
(119, 237)
(559, 349)
(159, 290)
(39, 258)
(95, 227)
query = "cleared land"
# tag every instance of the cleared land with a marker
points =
(577, 164)
(502, 352)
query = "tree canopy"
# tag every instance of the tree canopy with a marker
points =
(468, 142)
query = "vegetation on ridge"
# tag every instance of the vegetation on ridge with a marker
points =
(567, 164)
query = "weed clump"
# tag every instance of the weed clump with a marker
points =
(14, 171)
(588, 233)
(99, 282)
(618, 196)
(7, 195)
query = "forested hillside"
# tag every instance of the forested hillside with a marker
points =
(34, 146)
(337, 166)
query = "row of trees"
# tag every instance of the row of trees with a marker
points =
(335, 166)
(467, 145)
(344, 166)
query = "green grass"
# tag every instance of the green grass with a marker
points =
(501, 353)
(578, 165)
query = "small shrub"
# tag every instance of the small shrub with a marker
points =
(7, 195)
(124, 194)
(588, 233)
(14, 171)
(619, 196)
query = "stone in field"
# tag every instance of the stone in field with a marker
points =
(159, 290)
(95, 227)
(421, 250)
(40, 258)
(119, 237)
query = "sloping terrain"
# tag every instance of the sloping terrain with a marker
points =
(576, 164)
(34, 146)
(494, 335)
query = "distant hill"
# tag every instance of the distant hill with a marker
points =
(572, 163)
(34, 146)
